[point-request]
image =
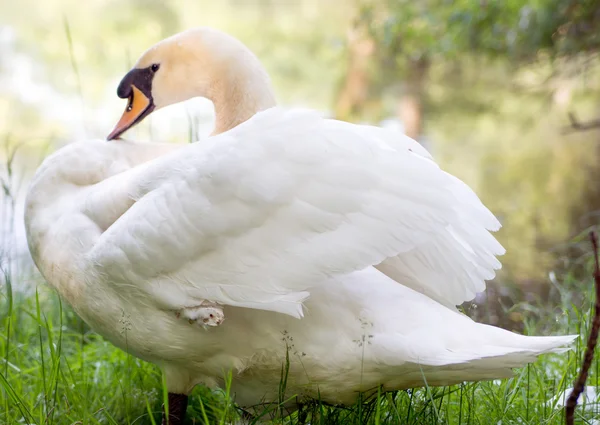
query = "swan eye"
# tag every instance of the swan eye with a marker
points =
(155, 67)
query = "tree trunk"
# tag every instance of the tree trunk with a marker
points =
(354, 90)
(410, 104)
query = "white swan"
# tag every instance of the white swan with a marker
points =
(344, 245)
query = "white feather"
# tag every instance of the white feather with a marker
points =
(271, 209)
(287, 213)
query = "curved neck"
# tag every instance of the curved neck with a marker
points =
(234, 106)
(238, 94)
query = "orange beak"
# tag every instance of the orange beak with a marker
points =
(137, 109)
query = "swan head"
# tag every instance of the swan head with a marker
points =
(198, 62)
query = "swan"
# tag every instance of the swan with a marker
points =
(342, 249)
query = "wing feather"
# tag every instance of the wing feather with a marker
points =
(259, 215)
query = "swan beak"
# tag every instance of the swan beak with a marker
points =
(138, 107)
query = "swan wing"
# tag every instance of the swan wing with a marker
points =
(452, 265)
(257, 216)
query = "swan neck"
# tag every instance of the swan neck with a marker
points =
(237, 98)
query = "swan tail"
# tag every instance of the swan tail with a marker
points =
(495, 359)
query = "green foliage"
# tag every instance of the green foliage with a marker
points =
(77, 52)
(495, 125)
(108, 36)
(513, 29)
(507, 142)
(495, 80)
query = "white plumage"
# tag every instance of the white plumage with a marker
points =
(345, 245)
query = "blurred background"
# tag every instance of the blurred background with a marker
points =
(504, 93)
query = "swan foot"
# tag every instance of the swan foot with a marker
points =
(207, 314)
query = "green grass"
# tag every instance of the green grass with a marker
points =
(55, 370)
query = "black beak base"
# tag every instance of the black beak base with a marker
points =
(139, 77)
(137, 87)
